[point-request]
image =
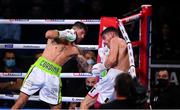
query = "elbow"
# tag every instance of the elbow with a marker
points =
(51, 34)
(48, 34)
(110, 63)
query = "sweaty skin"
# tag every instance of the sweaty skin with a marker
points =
(59, 51)
(118, 56)
(53, 35)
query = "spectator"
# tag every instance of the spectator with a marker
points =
(69, 9)
(83, 90)
(89, 82)
(36, 12)
(165, 95)
(124, 89)
(7, 85)
(9, 61)
(6, 2)
(10, 33)
(164, 43)
(96, 8)
(90, 56)
(37, 2)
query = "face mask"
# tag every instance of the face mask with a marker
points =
(88, 88)
(90, 61)
(10, 63)
(162, 82)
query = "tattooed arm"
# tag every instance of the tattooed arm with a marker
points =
(83, 63)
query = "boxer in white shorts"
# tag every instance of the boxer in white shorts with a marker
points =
(44, 74)
(105, 87)
(116, 62)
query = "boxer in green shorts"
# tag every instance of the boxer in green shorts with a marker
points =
(44, 74)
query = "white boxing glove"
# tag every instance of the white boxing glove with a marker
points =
(98, 68)
(68, 34)
(103, 53)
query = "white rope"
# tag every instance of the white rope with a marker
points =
(49, 21)
(132, 68)
(63, 21)
(62, 75)
(164, 66)
(131, 18)
(40, 46)
(36, 98)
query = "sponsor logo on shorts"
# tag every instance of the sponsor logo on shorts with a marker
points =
(49, 66)
(51, 93)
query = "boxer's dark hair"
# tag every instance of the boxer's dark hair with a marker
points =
(110, 29)
(80, 25)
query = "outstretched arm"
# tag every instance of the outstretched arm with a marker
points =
(87, 102)
(83, 63)
(68, 34)
(52, 34)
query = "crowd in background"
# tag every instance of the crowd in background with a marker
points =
(164, 21)
(165, 48)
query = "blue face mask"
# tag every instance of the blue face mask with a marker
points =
(10, 63)
(90, 62)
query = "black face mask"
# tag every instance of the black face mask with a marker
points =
(88, 88)
(162, 83)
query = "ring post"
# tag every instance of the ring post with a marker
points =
(145, 38)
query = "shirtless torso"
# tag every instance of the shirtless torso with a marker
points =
(44, 74)
(118, 54)
(59, 52)
(117, 62)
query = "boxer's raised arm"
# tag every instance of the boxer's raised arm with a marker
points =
(111, 60)
(52, 34)
(68, 34)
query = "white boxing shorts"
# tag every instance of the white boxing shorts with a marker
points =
(104, 89)
(43, 76)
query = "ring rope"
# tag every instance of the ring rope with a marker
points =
(40, 46)
(36, 98)
(62, 75)
(132, 68)
(64, 21)
(164, 65)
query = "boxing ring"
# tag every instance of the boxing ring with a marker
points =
(143, 70)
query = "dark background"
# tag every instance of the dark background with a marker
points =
(165, 24)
